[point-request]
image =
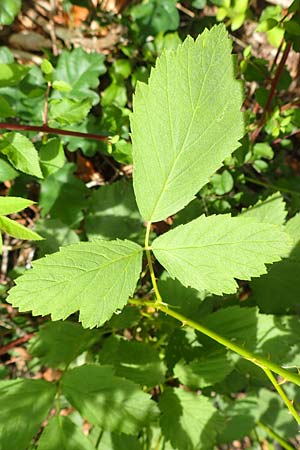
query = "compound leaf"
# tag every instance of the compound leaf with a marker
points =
(110, 402)
(95, 278)
(185, 122)
(24, 405)
(210, 252)
(61, 433)
(21, 153)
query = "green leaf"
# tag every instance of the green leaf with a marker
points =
(81, 70)
(52, 156)
(95, 278)
(55, 234)
(118, 441)
(5, 108)
(47, 343)
(271, 210)
(8, 11)
(12, 73)
(275, 416)
(241, 417)
(67, 112)
(234, 323)
(222, 183)
(282, 281)
(63, 196)
(210, 252)
(113, 212)
(107, 401)
(184, 123)
(21, 153)
(187, 419)
(7, 172)
(61, 433)
(154, 16)
(205, 370)
(24, 405)
(9, 205)
(17, 230)
(137, 361)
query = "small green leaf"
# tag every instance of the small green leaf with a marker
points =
(8, 11)
(47, 67)
(24, 405)
(67, 112)
(9, 205)
(16, 230)
(81, 71)
(61, 86)
(96, 278)
(110, 402)
(184, 123)
(11, 74)
(21, 153)
(187, 419)
(7, 172)
(47, 343)
(210, 252)
(52, 156)
(222, 183)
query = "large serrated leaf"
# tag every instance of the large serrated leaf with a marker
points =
(210, 252)
(110, 402)
(95, 278)
(24, 405)
(185, 122)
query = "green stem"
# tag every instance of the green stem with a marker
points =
(158, 298)
(258, 360)
(275, 436)
(282, 394)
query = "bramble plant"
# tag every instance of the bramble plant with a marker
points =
(186, 121)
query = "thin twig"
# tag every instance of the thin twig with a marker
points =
(273, 88)
(15, 343)
(46, 129)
